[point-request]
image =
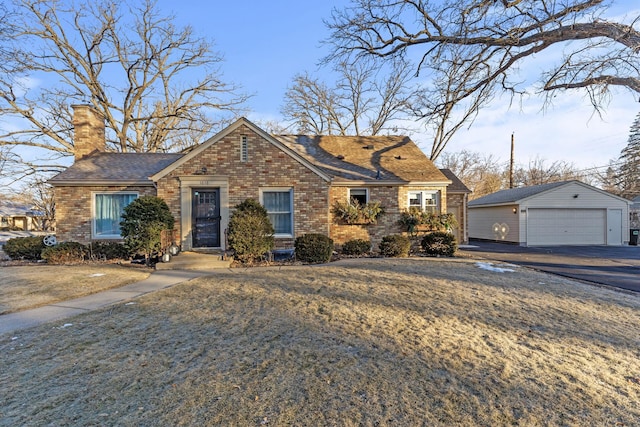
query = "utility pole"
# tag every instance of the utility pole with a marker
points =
(511, 163)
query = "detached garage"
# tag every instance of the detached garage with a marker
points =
(558, 213)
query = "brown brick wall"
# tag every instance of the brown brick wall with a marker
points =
(88, 129)
(267, 166)
(394, 200)
(74, 210)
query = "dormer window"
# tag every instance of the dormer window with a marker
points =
(244, 149)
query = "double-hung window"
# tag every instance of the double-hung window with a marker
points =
(424, 201)
(107, 213)
(279, 205)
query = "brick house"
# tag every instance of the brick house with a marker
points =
(297, 178)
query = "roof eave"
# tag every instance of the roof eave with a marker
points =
(93, 183)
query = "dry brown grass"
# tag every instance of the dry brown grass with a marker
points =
(29, 286)
(359, 343)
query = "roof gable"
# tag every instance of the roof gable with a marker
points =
(366, 158)
(243, 121)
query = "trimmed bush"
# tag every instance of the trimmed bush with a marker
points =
(395, 245)
(29, 248)
(439, 243)
(142, 222)
(65, 253)
(356, 247)
(250, 231)
(108, 251)
(313, 248)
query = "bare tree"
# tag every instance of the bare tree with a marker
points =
(484, 42)
(159, 87)
(482, 173)
(40, 196)
(537, 172)
(363, 101)
(608, 178)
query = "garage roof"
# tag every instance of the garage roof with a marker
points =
(518, 195)
(514, 195)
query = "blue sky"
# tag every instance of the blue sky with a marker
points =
(266, 43)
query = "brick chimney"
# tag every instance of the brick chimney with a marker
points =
(88, 127)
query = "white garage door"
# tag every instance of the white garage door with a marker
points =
(566, 227)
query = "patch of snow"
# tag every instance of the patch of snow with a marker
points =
(130, 303)
(66, 325)
(14, 338)
(490, 267)
(96, 275)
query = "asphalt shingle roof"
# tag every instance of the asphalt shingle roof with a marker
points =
(365, 158)
(343, 158)
(513, 195)
(116, 167)
(456, 185)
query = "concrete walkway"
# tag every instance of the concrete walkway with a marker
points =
(157, 280)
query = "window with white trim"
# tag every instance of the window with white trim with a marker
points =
(424, 201)
(360, 195)
(107, 213)
(279, 205)
(244, 149)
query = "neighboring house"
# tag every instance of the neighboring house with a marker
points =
(558, 213)
(18, 216)
(297, 178)
(457, 200)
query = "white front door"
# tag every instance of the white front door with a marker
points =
(614, 227)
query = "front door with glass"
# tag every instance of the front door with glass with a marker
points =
(206, 218)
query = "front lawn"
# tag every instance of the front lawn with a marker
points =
(34, 285)
(360, 342)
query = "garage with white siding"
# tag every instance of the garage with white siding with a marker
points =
(559, 213)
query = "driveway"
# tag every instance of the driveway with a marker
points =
(617, 266)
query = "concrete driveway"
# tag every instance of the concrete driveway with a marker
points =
(617, 266)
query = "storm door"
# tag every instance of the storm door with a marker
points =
(206, 218)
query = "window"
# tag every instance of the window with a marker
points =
(361, 195)
(426, 201)
(244, 149)
(108, 209)
(279, 206)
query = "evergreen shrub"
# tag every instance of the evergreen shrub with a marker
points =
(395, 245)
(439, 243)
(356, 247)
(313, 248)
(27, 248)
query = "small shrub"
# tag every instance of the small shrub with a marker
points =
(29, 248)
(313, 248)
(395, 245)
(439, 243)
(108, 251)
(250, 231)
(65, 253)
(356, 247)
